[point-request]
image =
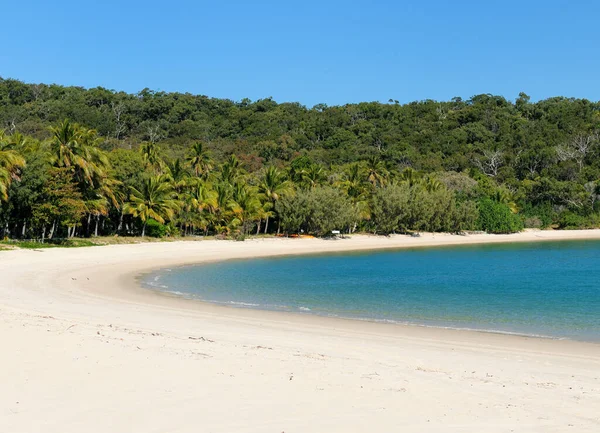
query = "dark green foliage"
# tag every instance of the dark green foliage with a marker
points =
(421, 166)
(154, 229)
(329, 209)
(415, 208)
(495, 217)
(389, 208)
(538, 216)
(293, 212)
(573, 221)
(317, 211)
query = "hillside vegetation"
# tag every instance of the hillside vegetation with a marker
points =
(91, 162)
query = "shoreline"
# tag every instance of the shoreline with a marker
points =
(456, 241)
(124, 349)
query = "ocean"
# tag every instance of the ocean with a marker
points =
(545, 289)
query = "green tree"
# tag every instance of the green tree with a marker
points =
(200, 160)
(154, 201)
(497, 218)
(273, 185)
(60, 204)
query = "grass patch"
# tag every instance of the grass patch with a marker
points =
(58, 243)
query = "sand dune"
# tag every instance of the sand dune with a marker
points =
(84, 349)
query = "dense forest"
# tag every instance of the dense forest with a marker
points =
(91, 162)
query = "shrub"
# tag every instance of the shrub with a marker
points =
(495, 217)
(538, 216)
(317, 211)
(573, 221)
(533, 223)
(155, 229)
(388, 207)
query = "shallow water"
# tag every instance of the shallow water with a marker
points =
(547, 289)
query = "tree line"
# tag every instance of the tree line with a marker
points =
(90, 162)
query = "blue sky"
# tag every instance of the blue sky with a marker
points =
(327, 51)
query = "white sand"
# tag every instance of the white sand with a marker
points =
(84, 350)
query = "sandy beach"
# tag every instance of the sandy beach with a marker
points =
(86, 349)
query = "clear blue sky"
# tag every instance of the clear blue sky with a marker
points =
(329, 51)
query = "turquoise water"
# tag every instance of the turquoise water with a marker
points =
(545, 289)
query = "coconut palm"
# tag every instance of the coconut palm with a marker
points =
(313, 176)
(220, 210)
(245, 205)
(199, 204)
(76, 148)
(200, 161)
(273, 184)
(11, 164)
(410, 176)
(152, 156)
(230, 170)
(357, 189)
(506, 197)
(376, 171)
(431, 184)
(154, 201)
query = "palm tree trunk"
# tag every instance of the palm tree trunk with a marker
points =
(97, 221)
(120, 222)
(278, 227)
(144, 229)
(51, 230)
(43, 234)
(258, 227)
(24, 230)
(89, 223)
(266, 224)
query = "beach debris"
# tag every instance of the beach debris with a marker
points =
(201, 339)
(70, 327)
(264, 347)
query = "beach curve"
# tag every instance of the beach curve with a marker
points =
(69, 309)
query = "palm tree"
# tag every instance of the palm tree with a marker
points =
(219, 211)
(432, 184)
(76, 148)
(154, 201)
(245, 205)
(200, 202)
(11, 164)
(410, 176)
(376, 171)
(357, 189)
(272, 186)
(230, 170)
(151, 156)
(313, 176)
(506, 197)
(200, 161)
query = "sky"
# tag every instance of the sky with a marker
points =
(328, 51)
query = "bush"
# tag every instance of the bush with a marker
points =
(538, 216)
(388, 207)
(404, 208)
(495, 217)
(155, 229)
(573, 221)
(317, 211)
(533, 223)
